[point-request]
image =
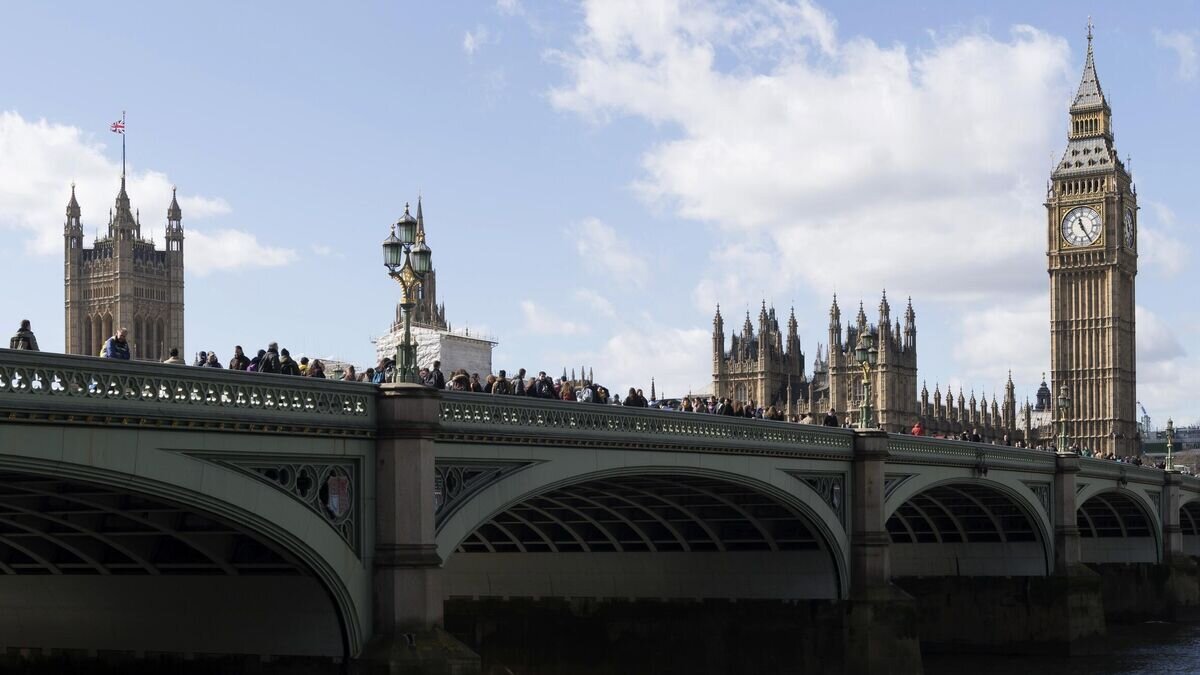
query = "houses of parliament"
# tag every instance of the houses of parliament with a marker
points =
(124, 280)
(1091, 248)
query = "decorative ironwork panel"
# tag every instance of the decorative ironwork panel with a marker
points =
(40, 385)
(1042, 491)
(892, 481)
(830, 487)
(455, 481)
(1156, 500)
(329, 487)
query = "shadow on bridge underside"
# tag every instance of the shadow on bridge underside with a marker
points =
(1115, 527)
(966, 529)
(54, 526)
(1189, 521)
(655, 535)
(88, 566)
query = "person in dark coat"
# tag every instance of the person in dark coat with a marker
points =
(270, 360)
(434, 378)
(831, 419)
(256, 361)
(238, 361)
(24, 338)
(286, 365)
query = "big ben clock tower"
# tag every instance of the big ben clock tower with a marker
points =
(1092, 256)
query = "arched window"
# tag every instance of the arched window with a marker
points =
(86, 343)
(160, 339)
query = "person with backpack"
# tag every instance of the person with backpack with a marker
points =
(286, 365)
(434, 378)
(24, 338)
(270, 360)
(501, 385)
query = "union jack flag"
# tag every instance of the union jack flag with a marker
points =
(118, 127)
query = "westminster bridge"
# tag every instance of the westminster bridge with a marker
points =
(148, 508)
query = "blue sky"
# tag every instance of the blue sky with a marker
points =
(597, 176)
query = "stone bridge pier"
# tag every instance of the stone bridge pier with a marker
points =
(409, 634)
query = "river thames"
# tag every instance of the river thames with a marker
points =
(1139, 649)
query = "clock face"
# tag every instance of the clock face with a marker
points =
(1130, 237)
(1081, 227)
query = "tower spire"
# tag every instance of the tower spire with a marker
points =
(1089, 94)
(420, 221)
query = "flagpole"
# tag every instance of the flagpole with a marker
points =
(122, 147)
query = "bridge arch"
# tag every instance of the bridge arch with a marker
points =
(93, 475)
(1118, 525)
(652, 508)
(970, 526)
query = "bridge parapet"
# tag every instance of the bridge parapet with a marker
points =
(473, 416)
(1122, 473)
(948, 452)
(55, 388)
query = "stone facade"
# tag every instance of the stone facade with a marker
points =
(837, 378)
(1091, 208)
(123, 280)
(767, 368)
(454, 349)
(994, 421)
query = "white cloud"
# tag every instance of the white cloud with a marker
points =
(607, 253)
(1184, 46)
(38, 162)
(833, 151)
(1011, 336)
(1160, 252)
(595, 302)
(1162, 213)
(326, 251)
(225, 250)
(540, 321)
(509, 7)
(679, 360)
(1166, 373)
(475, 40)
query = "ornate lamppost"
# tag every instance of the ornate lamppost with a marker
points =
(1170, 444)
(408, 261)
(867, 355)
(1064, 404)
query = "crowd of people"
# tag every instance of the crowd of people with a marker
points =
(280, 361)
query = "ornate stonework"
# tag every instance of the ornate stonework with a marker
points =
(123, 280)
(768, 368)
(1091, 208)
